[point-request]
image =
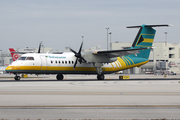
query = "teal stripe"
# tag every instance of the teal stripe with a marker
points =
(148, 36)
(145, 44)
(130, 60)
(127, 63)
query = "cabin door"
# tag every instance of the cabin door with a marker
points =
(43, 62)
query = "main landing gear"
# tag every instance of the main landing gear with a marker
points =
(100, 76)
(59, 77)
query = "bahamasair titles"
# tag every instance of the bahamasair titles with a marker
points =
(96, 62)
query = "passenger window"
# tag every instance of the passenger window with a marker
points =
(62, 62)
(59, 62)
(56, 61)
(66, 62)
(51, 61)
(72, 62)
(69, 62)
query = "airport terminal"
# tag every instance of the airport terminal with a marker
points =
(164, 57)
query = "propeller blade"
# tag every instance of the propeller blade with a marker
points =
(78, 55)
(73, 51)
(75, 63)
(83, 59)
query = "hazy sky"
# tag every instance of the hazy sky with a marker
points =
(62, 23)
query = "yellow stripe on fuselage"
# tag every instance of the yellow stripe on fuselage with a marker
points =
(131, 60)
(112, 65)
(119, 63)
(71, 69)
(122, 62)
(127, 61)
(116, 65)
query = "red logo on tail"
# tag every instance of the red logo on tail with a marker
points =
(15, 56)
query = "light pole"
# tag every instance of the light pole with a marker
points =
(107, 37)
(110, 41)
(166, 37)
(166, 46)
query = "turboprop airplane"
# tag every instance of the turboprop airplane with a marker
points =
(97, 62)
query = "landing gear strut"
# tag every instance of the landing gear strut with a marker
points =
(59, 77)
(100, 77)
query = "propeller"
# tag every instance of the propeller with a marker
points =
(78, 55)
(39, 50)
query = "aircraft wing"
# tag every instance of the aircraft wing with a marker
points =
(118, 53)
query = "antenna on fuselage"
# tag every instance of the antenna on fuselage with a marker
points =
(39, 50)
(83, 42)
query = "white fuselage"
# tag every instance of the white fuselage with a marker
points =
(55, 63)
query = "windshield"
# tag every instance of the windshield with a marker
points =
(26, 58)
(22, 58)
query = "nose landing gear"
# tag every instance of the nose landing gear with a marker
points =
(17, 78)
(100, 76)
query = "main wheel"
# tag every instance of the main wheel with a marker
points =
(17, 78)
(59, 77)
(100, 77)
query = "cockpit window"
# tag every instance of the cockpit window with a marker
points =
(26, 58)
(22, 58)
(30, 58)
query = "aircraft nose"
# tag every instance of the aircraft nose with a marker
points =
(9, 68)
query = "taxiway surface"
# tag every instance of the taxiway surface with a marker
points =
(82, 98)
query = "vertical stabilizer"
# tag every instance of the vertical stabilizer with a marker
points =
(144, 38)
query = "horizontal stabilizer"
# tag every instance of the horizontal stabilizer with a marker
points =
(165, 25)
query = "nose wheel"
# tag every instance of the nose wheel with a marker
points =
(100, 77)
(17, 78)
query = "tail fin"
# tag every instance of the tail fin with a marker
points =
(144, 38)
(14, 55)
